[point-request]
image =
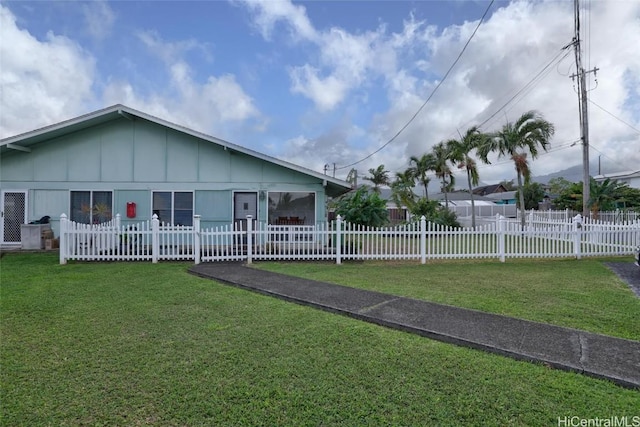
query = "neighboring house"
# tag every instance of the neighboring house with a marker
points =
(119, 160)
(503, 198)
(397, 214)
(631, 178)
(485, 206)
(459, 197)
(490, 189)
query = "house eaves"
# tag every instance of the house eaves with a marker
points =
(25, 141)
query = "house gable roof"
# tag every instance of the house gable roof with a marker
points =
(489, 189)
(25, 141)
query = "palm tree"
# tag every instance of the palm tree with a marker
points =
(420, 169)
(441, 156)
(530, 132)
(402, 189)
(352, 178)
(602, 195)
(379, 176)
(460, 154)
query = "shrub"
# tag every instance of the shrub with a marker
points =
(363, 207)
(434, 212)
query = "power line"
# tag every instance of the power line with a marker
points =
(530, 84)
(614, 116)
(613, 160)
(430, 96)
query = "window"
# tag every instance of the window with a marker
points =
(91, 207)
(292, 208)
(174, 207)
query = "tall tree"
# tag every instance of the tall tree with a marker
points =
(402, 189)
(420, 168)
(519, 140)
(379, 176)
(559, 185)
(352, 178)
(441, 156)
(460, 154)
(508, 184)
(533, 195)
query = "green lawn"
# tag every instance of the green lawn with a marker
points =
(582, 294)
(145, 344)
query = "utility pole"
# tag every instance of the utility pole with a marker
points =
(582, 100)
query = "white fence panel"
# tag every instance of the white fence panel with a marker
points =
(175, 242)
(223, 243)
(502, 238)
(295, 242)
(385, 243)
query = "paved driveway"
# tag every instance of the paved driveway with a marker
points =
(629, 272)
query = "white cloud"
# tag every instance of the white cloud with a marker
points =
(99, 18)
(170, 52)
(326, 92)
(42, 81)
(267, 13)
(343, 61)
(215, 106)
(47, 81)
(364, 85)
(508, 51)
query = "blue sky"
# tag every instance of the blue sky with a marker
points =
(329, 82)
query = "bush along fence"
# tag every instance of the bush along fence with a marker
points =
(338, 241)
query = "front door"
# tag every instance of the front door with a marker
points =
(14, 214)
(245, 204)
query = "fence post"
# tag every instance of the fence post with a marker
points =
(63, 239)
(117, 234)
(155, 238)
(502, 225)
(577, 238)
(338, 239)
(423, 240)
(196, 238)
(249, 239)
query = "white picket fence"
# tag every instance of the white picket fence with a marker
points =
(338, 240)
(617, 216)
(485, 210)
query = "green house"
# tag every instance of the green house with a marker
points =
(122, 161)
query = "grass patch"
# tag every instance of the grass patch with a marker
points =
(145, 344)
(582, 294)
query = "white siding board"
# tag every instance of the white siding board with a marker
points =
(16, 167)
(182, 158)
(150, 154)
(246, 169)
(117, 155)
(83, 157)
(49, 202)
(49, 163)
(214, 164)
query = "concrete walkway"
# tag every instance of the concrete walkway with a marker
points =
(596, 355)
